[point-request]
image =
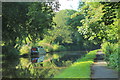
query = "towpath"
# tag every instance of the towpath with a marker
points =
(100, 70)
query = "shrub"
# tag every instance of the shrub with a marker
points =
(47, 46)
(62, 48)
(57, 47)
(113, 60)
(25, 49)
(111, 54)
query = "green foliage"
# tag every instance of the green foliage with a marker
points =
(113, 60)
(13, 17)
(65, 30)
(111, 54)
(25, 49)
(25, 22)
(59, 35)
(109, 11)
(10, 52)
(27, 70)
(99, 24)
(40, 15)
(55, 56)
(57, 47)
(91, 29)
(62, 17)
(79, 69)
(50, 47)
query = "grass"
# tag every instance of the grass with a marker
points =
(79, 69)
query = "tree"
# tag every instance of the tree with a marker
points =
(13, 22)
(109, 11)
(59, 35)
(93, 25)
(23, 19)
(61, 17)
(65, 18)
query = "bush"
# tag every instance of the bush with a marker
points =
(111, 54)
(25, 49)
(62, 48)
(113, 60)
(47, 46)
(51, 47)
(57, 47)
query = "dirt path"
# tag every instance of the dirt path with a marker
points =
(100, 71)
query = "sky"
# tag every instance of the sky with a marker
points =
(69, 4)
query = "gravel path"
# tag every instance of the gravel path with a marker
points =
(100, 71)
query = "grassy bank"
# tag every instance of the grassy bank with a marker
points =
(79, 69)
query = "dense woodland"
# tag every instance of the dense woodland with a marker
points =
(92, 26)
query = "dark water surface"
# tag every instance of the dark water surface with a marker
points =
(52, 64)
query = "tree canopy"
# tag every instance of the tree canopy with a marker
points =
(21, 20)
(95, 25)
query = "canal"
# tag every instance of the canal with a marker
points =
(27, 67)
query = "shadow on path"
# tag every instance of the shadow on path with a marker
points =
(100, 71)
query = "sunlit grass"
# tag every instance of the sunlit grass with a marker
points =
(79, 69)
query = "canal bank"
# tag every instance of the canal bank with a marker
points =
(79, 69)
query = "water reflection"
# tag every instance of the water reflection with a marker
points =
(40, 66)
(37, 59)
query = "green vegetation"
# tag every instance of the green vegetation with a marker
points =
(39, 24)
(79, 69)
(25, 20)
(51, 47)
(25, 49)
(111, 51)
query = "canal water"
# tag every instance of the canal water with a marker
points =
(43, 66)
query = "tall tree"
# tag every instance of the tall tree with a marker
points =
(23, 19)
(13, 22)
(94, 27)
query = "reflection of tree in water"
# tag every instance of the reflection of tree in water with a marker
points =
(53, 64)
(35, 70)
(24, 61)
(39, 72)
(8, 68)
